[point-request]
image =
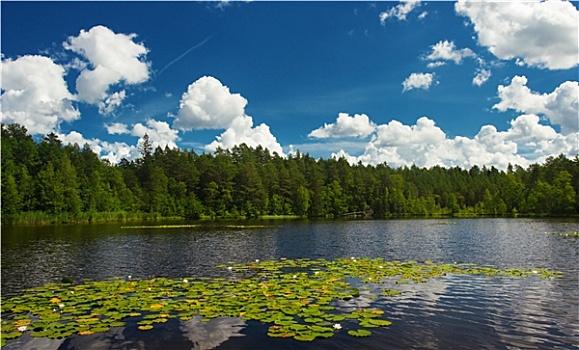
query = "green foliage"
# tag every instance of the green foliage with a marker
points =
(71, 183)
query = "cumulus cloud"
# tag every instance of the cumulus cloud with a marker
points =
(113, 152)
(35, 94)
(561, 106)
(540, 34)
(401, 11)
(242, 131)
(160, 133)
(111, 102)
(117, 128)
(397, 134)
(426, 145)
(447, 51)
(346, 126)
(208, 104)
(418, 81)
(76, 137)
(112, 59)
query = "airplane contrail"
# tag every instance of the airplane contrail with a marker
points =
(183, 55)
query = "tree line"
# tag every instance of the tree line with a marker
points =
(49, 179)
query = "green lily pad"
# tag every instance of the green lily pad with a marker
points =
(379, 322)
(11, 335)
(296, 296)
(305, 337)
(359, 333)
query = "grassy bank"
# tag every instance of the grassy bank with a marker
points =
(41, 218)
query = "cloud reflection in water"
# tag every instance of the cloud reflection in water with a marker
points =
(209, 335)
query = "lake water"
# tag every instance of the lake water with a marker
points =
(451, 312)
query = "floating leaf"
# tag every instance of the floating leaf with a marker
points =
(359, 333)
(11, 335)
(305, 337)
(295, 296)
(379, 322)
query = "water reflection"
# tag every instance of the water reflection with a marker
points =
(209, 335)
(26, 342)
(450, 312)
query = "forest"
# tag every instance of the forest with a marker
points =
(45, 181)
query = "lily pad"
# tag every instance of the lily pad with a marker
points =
(297, 297)
(380, 322)
(305, 337)
(359, 333)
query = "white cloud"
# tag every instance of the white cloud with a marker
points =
(401, 11)
(418, 81)
(117, 128)
(435, 64)
(208, 104)
(76, 137)
(35, 94)
(447, 51)
(561, 106)
(426, 145)
(116, 151)
(481, 77)
(538, 33)
(112, 59)
(111, 102)
(113, 152)
(241, 131)
(160, 133)
(343, 154)
(346, 126)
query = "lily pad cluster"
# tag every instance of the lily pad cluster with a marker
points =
(297, 298)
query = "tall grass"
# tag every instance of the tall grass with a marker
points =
(42, 218)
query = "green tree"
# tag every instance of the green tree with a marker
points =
(157, 190)
(397, 201)
(564, 193)
(11, 200)
(50, 189)
(302, 204)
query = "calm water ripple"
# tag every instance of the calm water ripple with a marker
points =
(451, 312)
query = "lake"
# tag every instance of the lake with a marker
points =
(453, 311)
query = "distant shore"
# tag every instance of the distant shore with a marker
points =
(40, 218)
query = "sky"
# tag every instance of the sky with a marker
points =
(407, 83)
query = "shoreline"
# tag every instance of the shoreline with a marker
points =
(44, 219)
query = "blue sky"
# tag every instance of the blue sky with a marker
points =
(425, 83)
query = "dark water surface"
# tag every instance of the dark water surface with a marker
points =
(451, 312)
